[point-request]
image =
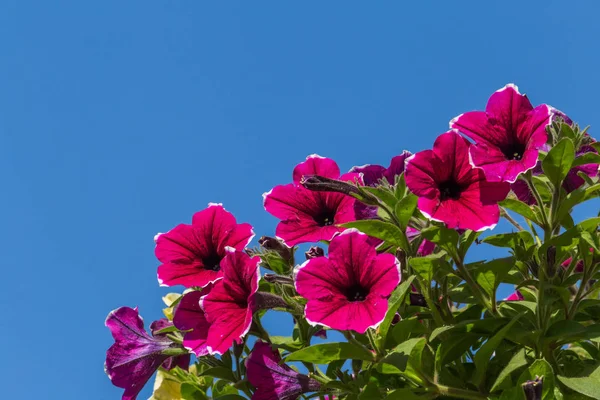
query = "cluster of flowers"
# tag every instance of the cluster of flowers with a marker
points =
(459, 182)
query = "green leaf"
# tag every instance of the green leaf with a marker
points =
(516, 362)
(482, 357)
(221, 373)
(383, 194)
(588, 385)
(540, 368)
(586, 158)
(222, 388)
(558, 161)
(381, 230)
(490, 274)
(479, 326)
(370, 392)
(191, 392)
(446, 238)
(426, 266)
(405, 394)
(404, 328)
(405, 209)
(397, 361)
(396, 299)
(520, 208)
(570, 201)
(510, 240)
(453, 347)
(565, 331)
(327, 352)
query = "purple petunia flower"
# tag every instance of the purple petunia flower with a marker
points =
(450, 190)
(515, 296)
(507, 135)
(191, 254)
(309, 216)
(349, 288)
(135, 355)
(373, 173)
(183, 361)
(274, 380)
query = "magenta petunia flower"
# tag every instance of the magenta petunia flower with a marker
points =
(229, 305)
(373, 173)
(189, 316)
(450, 190)
(135, 355)
(192, 254)
(349, 288)
(507, 135)
(309, 216)
(274, 380)
(516, 296)
(578, 267)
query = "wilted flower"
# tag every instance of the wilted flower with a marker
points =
(135, 355)
(349, 288)
(450, 190)
(192, 254)
(274, 380)
(308, 216)
(507, 135)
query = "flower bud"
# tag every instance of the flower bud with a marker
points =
(276, 245)
(318, 183)
(314, 252)
(533, 389)
(417, 299)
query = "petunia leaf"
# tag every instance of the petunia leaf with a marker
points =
(326, 352)
(381, 230)
(483, 355)
(405, 209)
(452, 348)
(586, 158)
(520, 208)
(517, 361)
(396, 299)
(558, 161)
(588, 385)
(444, 237)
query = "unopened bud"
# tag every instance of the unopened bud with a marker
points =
(533, 389)
(314, 252)
(396, 319)
(267, 301)
(417, 299)
(277, 245)
(551, 261)
(272, 278)
(318, 183)
(321, 333)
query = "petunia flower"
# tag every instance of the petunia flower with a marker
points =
(135, 355)
(373, 173)
(230, 304)
(515, 296)
(310, 216)
(183, 361)
(450, 190)
(507, 135)
(274, 380)
(349, 288)
(572, 181)
(189, 316)
(578, 267)
(192, 254)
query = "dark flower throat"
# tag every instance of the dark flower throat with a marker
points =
(514, 151)
(449, 190)
(356, 293)
(325, 218)
(212, 262)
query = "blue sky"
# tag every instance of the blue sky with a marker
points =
(120, 119)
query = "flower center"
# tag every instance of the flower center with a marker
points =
(212, 262)
(449, 190)
(514, 151)
(356, 293)
(325, 218)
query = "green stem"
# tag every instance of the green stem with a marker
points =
(539, 202)
(459, 393)
(510, 219)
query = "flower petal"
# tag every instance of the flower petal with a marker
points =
(316, 165)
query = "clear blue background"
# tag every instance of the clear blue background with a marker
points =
(120, 119)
